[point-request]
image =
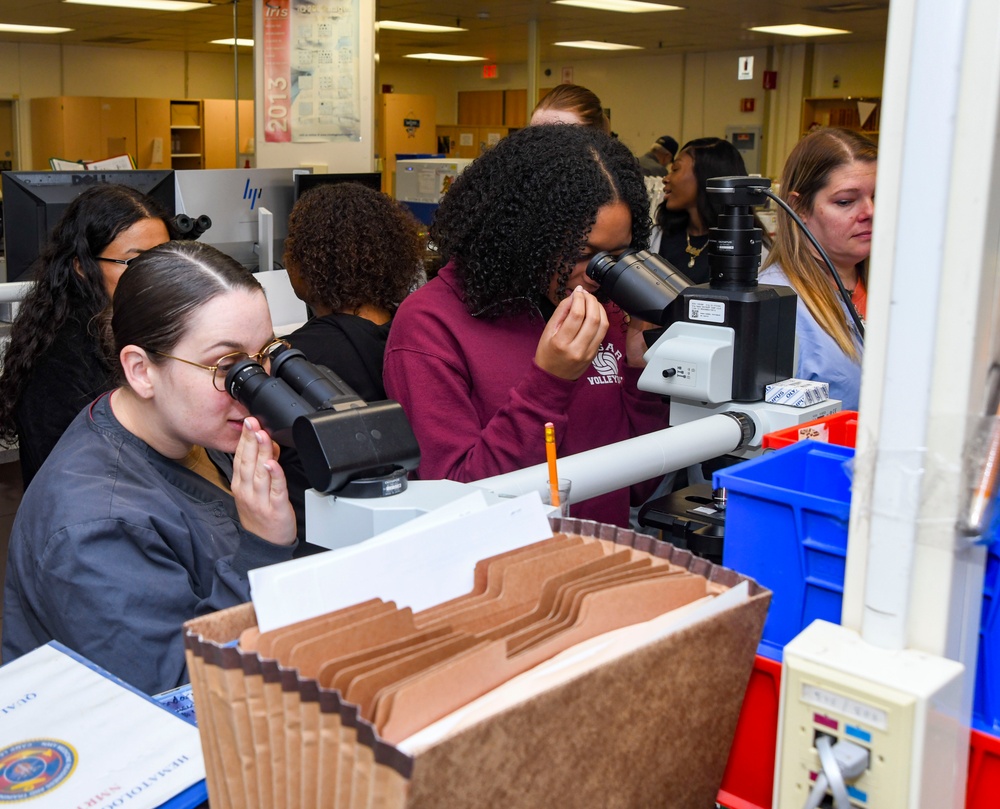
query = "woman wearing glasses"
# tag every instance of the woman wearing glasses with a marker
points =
(55, 364)
(140, 519)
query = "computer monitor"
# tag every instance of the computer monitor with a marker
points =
(33, 202)
(231, 198)
(303, 182)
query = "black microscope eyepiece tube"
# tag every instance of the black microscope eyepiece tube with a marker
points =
(640, 282)
(319, 389)
(270, 400)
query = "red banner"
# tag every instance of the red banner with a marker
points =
(277, 71)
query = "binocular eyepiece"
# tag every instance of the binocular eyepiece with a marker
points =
(345, 444)
(191, 229)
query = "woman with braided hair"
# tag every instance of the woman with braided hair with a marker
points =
(510, 335)
(56, 363)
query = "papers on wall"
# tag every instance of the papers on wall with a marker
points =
(73, 735)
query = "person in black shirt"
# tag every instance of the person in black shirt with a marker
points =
(352, 255)
(56, 363)
(688, 211)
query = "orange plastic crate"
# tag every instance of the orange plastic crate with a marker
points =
(839, 428)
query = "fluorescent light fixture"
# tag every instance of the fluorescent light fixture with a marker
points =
(446, 57)
(420, 27)
(11, 28)
(799, 30)
(244, 43)
(590, 44)
(627, 6)
(146, 5)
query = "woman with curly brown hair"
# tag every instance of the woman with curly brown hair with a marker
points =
(509, 335)
(352, 255)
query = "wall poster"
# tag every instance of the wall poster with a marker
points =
(311, 75)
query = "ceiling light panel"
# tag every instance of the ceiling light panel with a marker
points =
(589, 44)
(446, 57)
(11, 28)
(626, 6)
(799, 30)
(145, 5)
(419, 27)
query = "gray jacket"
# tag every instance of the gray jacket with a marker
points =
(114, 546)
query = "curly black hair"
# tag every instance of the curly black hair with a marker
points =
(69, 279)
(351, 245)
(522, 211)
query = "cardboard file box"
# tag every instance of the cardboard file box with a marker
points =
(650, 728)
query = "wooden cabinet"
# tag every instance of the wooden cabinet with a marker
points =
(221, 145)
(480, 108)
(187, 138)
(159, 133)
(79, 128)
(860, 114)
(152, 133)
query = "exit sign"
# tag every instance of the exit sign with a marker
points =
(489, 71)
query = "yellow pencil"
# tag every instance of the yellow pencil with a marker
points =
(550, 456)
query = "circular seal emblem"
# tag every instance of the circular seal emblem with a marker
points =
(29, 769)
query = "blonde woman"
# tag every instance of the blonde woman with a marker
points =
(829, 181)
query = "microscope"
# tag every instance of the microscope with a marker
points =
(719, 346)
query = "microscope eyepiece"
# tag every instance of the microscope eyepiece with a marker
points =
(271, 400)
(640, 282)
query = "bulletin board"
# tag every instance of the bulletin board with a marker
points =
(312, 81)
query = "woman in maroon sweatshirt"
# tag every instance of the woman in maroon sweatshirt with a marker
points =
(509, 335)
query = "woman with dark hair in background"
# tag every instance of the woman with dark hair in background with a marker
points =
(509, 335)
(571, 104)
(829, 181)
(55, 363)
(688, 211)
(131, 526)
(352, 255)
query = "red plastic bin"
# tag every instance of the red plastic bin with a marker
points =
(983, 786)
(841, 428)
(749, 778)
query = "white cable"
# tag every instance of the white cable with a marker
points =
(845, 760)
(818, 792)
(833, 774)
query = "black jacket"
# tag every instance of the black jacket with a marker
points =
(66, 377)
(353, 348)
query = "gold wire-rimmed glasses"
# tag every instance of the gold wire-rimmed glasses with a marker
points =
(226, 363)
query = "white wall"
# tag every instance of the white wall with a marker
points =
(684, 95)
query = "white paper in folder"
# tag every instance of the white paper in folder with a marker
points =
(416, 569)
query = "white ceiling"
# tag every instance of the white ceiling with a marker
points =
(497, 28)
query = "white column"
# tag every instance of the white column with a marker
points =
(912, 580)
(534, 66)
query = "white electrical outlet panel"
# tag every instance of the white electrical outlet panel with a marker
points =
(903, 706)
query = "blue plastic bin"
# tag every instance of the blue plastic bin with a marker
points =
(986, 708)
(786, 526)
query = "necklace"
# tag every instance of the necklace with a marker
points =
(694, 252)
